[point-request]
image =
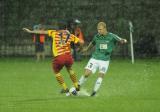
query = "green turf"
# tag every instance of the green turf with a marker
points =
(29, 86)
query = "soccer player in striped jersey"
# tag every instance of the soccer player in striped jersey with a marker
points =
(104, 43)
(62, 54)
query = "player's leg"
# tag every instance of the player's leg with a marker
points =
(38, 56)
(60, 80)
(38, 50)
(84, 77)
(73, 76)
(57, 65)
(103, 67)
(97, 83)
(43, 55)
(90, 68)
(42, 51)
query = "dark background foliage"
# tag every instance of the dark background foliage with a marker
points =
(16, 14)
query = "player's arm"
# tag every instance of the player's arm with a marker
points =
(91, 44)
(76, 40)
(35, 31)
(81, 42)
(88, 47)
(121, 40)
(80, 45)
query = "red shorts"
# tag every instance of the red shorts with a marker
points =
(60, 61)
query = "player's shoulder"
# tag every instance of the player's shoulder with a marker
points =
(114, 36)
(111, 34)
(96, 35)
(51, 31)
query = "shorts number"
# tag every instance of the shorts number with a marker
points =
(103, 69)
(91, 64)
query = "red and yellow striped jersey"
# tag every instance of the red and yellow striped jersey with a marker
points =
(61, 42)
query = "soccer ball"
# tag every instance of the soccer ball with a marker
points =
(73, 91)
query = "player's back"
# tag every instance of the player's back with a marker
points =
(61, 42)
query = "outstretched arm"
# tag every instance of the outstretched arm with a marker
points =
(35, 31)
(121, 40)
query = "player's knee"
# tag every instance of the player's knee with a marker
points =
(57, 74)
(71, 72)
(87, 72)
(101, 75)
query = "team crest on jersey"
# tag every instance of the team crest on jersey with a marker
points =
(103, 46)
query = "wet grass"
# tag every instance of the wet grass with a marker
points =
(30, 86)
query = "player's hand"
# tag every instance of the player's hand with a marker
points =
(26, 30)
(81, 41)
(123, 41)
(68, 31)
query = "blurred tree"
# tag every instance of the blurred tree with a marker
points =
(144, 14)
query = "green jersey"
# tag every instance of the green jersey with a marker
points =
(104, 45)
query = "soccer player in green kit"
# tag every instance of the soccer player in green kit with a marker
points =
(104, 43)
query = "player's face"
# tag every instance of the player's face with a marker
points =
(101, 30)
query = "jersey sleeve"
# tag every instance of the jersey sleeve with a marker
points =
(51, 33)
(116, 37)
(74, 38)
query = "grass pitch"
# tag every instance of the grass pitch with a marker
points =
(29, 86)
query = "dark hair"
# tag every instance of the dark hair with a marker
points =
(62, 26)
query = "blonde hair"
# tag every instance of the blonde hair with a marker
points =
(102, 24)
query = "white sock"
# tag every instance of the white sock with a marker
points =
(82, 80)
(98, 84)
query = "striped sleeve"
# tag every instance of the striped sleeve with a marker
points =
(74, 39)
(51, 33)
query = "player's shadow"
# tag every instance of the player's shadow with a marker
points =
(50, 99)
